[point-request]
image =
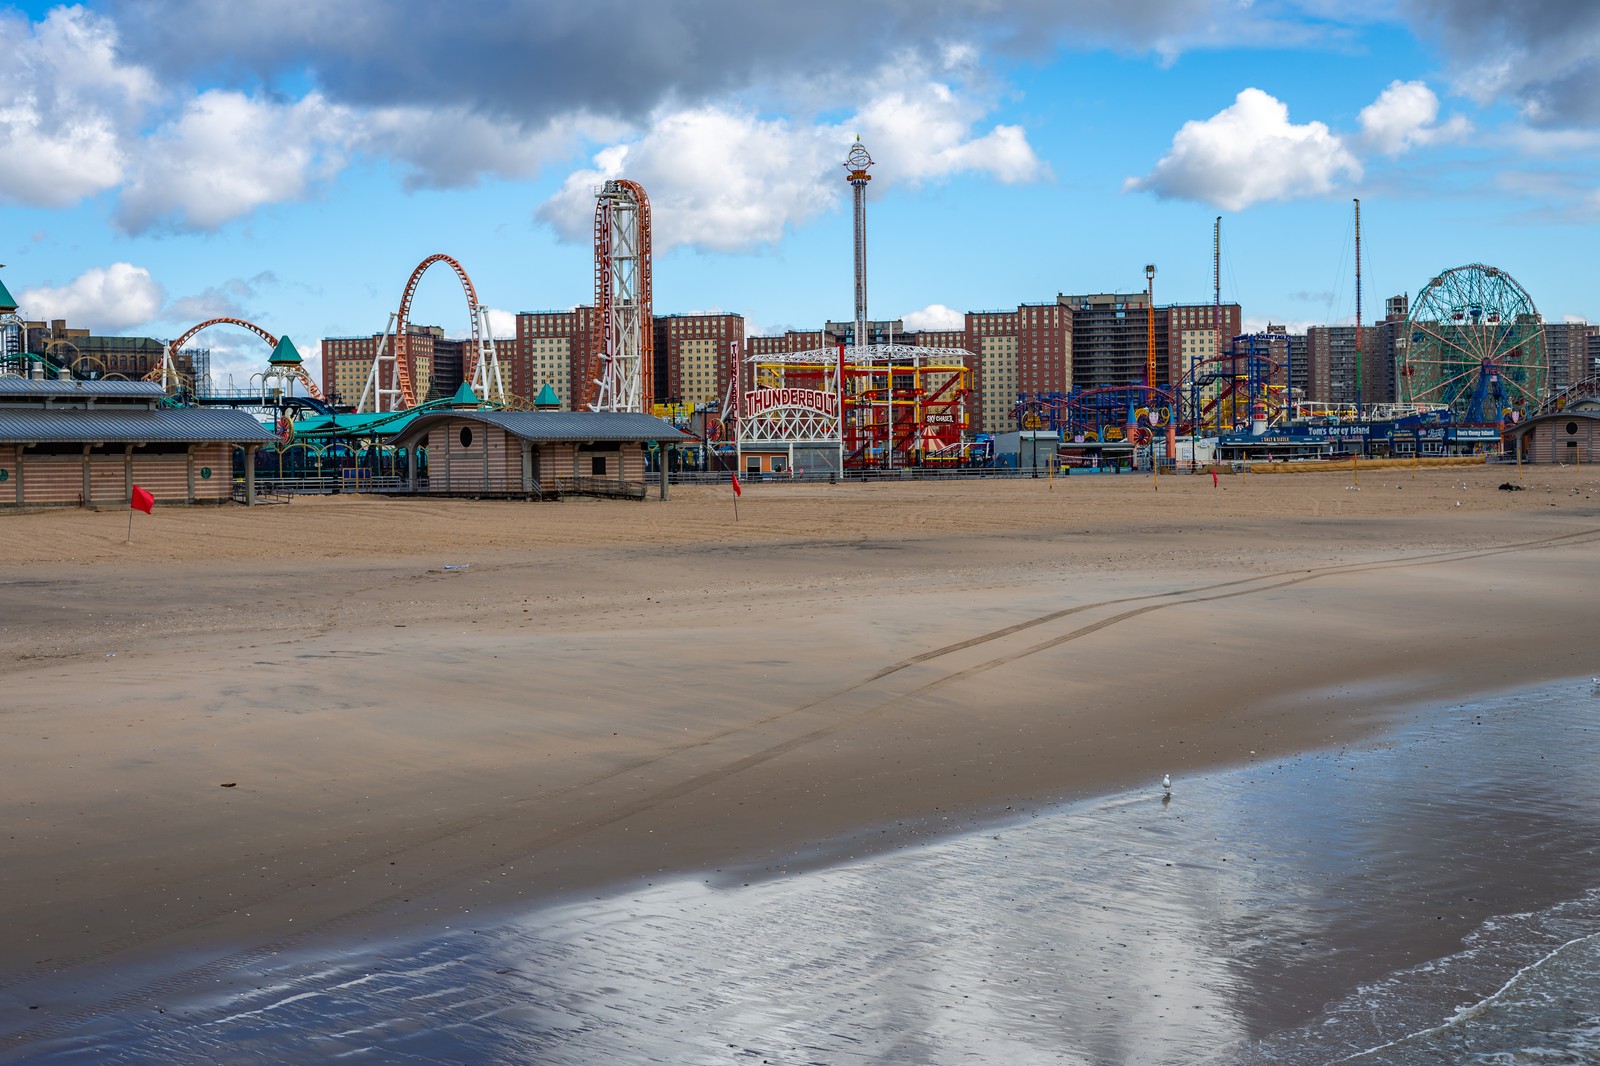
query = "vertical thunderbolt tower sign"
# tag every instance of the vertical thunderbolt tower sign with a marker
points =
(857, 163)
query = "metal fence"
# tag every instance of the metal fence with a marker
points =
(909, 473)
(493, 488)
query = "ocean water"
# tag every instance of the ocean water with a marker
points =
(1429, 896)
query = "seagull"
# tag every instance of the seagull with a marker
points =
(1166, 782)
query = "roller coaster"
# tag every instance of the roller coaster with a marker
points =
(1221, 394)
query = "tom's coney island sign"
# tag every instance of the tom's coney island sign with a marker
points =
(763, 400)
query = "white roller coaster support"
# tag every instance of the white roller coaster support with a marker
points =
(486, 379)
(379, 386)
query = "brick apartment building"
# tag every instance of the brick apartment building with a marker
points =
(1332, 374)
(1567, 346)
(696, 356)
(438, 364)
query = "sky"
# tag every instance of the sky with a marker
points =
(163, 162)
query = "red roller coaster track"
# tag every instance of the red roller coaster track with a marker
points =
(272, 342)
(402, 344)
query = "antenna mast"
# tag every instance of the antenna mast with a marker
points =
(1359, 360)
(1216, 282)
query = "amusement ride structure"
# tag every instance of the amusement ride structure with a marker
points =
(1475, 343)
(858, 405)
(284, 366)
(622, 377)
(395, 383)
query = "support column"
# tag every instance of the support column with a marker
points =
(663, 450)
(250, 474)
(527, 466)
(127, 472)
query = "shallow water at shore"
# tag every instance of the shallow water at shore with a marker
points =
(1432, 895)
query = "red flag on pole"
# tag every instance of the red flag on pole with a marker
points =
(737, 491)
(142, 500)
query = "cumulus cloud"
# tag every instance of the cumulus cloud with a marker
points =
(934, 316)
(105, 299)
(227, 300)
(728, 179)
(1543, 56)
(502, 324)
(68, 108)
(86, 118)
(1247, 153)
(455, 147)
(227, 154)
(1406, 115)
(716, 179)
(533, 60)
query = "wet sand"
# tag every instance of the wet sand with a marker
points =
(612, 691)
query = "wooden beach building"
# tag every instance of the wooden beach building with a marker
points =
(84, 443)
(1570, 434)
(534, 454)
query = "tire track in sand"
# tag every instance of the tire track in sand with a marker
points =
(233, 962)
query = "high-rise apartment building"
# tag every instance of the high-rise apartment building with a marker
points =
(437, 365)
(1566, 346)
(1333, 376)
(553, 348)
(1191, 338)
(992, 337)
(696, 356)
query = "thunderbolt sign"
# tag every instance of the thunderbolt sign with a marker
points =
(763, 400)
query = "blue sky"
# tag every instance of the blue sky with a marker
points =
(167, 161)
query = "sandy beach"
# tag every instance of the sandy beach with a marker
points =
(346, 715)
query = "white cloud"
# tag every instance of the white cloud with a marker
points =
(68, 108)
(227, 154)
(1405, 115)
(935, 316)
(1247, 153)
(726, 179)
(502, 324)
(454, 147)
(716, 179)
(104, 299)
(926, 128)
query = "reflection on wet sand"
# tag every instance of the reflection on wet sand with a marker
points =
(1293, 911)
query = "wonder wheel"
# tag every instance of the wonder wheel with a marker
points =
(1474, 342)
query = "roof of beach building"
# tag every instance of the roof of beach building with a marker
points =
(557, 426)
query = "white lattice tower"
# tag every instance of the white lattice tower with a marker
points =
(624, 379)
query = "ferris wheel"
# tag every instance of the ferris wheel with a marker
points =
(1474, 342)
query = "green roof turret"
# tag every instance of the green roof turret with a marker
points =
(285, 354)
